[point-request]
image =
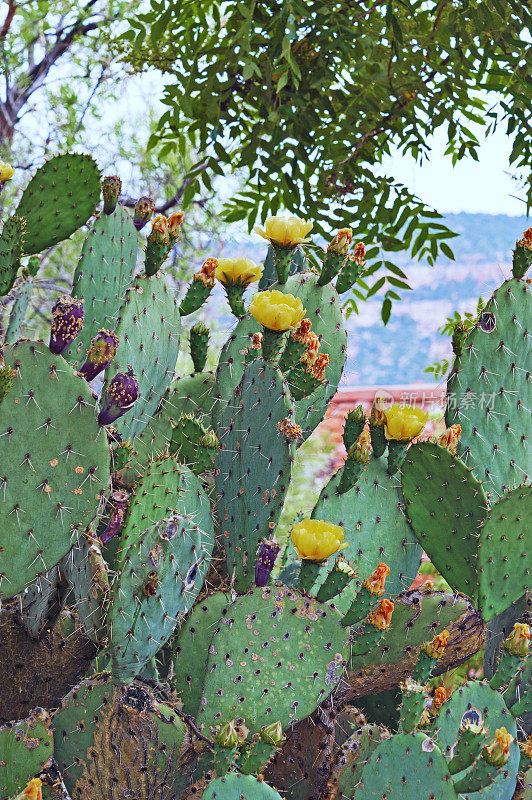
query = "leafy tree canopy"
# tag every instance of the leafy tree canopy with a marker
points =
(307, 98)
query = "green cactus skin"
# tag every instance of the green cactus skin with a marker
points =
(323, 309)
(334, 583)
(41, 603)
(507, 668)
(361, 605)
(376, 529)
(424, 667)
(409, 766)
(349, 761)
(282, 258)
(503, 556)
(379, 442)
(121, 455)
(162, 572)
(199, 345)
(244, 787)
(301, 383)
(274, 656)
(249, 500)
(86, 572)
(494, 714)
(366, 638)
(291, 355)
(104, 272)
(56, 464)
(332, 264)
(518, 696)
(23, 290)
(396, 455)
(353, 427)
(192, 649)
(298, 263)
(351, 472)
(193, 444)
(156, 254)
(26, 747)
(224, 759)
(197, 294)
(413, 700)
(349, 274)
(446, 507)
(118, 741)
(489, 391)
(58, 200)
(521, 258)
(11, 249)
(148, 331)
(255, 759)
(481, 775)
(468, 746)
(308, 574)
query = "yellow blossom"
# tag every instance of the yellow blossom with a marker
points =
(404, 422)
(316, 540)
(435, 648)
(6, 172)
(238, 271)
(518, 642)
(375, 582)
(449, 438)
(285, 231)
(497, 751)
(277, 310)
(381, 618)
(33, 791)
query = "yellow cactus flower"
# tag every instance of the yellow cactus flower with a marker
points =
(403, 423)
(33, 791)
(285, 231)
(436, 647)
(375, 582)
(6, 172)
(316, 540)
(497, 752)
(238, 271)
(276, 310)
(450, 438)
(518, 642)
(381, 618)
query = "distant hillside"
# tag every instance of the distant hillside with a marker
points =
(399, 352)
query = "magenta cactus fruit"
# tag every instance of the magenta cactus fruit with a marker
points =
(67, 322)
(101, 352)
(119, 397)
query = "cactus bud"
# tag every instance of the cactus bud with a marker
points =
(227, 736)
(67, 322)
(207, 273)
(7, 376)
(377, 416)
(290, 429)
(518, 642)
(381, 618)
(272, 734)
(174, 224)
(265, 561)
(359, 253)
(341, 242)
(101, 352)
(120, 396)
(436, 647)
(120, 500)
(144, 208)
(450, 438)
(159, 230)
(122, 455)
(497, 752)
(34, 262)
(111, 188)
(439, 698)
(458, 338)
(375, 582)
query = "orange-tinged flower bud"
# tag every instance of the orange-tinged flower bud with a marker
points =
(375, 582)
(450, 438)
(518, 642)
(174, 224)
(377, 416)
(300, 334)
(404, 423)
(439, 698)
(317, 540)
(256, 342)
(341, 242)
(159, 229)
(381, 618)
(362, 447)
(291, 430)
(497, 751)
(207, 273)
(436, 647)
(320, 365)
(359, 252)
(526, 241)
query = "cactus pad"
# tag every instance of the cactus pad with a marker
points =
(376, 528)
(11, 247)
(148, 331)
(239, 787)
(406, 767)
(252, 467)
(275, 655)
(104, 272)
(86, 572)
(489, 391)
(58, 200)
(56, 464)
(26, 747)
(117, 742)
(504, 555)
(446, 506)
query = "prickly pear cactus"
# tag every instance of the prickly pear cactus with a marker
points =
(26, 747)
(245, 787)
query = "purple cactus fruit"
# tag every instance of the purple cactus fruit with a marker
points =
(102, 351)
(144, 208)
(265, 560)
(120, 501)
(67, 322)
(119, 397)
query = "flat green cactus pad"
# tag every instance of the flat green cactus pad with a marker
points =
(148, 332)
(104, 271)
(479, 695)
(446, 506)
(86, 572)
(323, 308)
(239, 787)
(58, 200)
(376, 528)
(11, 248)
(406, 767)
(275, 656)
(117, 741)
(26, 747)
(504, 555)
(40, 603)
(252, 467)
(55, 464)
(490, 391)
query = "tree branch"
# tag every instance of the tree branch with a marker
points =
(12, 7)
